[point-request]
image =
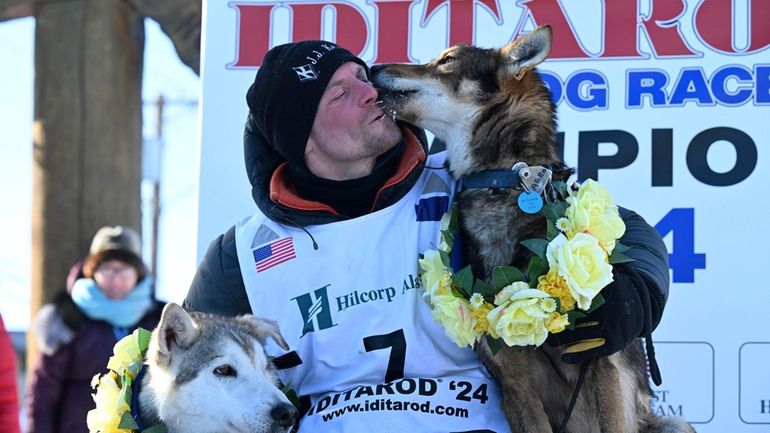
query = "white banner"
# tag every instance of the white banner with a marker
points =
(665, 102)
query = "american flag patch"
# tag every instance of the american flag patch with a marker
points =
(274, 253)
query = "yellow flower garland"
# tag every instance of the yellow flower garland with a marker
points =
(115, 388)
(566, 275)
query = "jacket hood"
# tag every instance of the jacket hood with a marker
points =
(262, 160)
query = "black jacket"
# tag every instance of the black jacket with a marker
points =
(218, 287)
(73, 348)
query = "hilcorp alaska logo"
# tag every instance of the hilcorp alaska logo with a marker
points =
(315, 307)
(626, 26)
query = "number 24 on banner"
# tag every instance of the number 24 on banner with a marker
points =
(683, 260)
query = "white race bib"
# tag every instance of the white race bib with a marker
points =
(365, 353)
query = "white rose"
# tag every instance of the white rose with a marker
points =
(582, 263)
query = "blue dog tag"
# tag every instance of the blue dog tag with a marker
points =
(530, 202)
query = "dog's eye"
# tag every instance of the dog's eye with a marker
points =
(445, 60)
(225, 370)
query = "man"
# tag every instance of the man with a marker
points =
(347, 200)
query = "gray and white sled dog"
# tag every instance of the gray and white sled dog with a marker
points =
(492, 110)
(208, 373)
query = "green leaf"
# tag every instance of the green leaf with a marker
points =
(505, 275)
(449, 238)
(550, 212)
(291, 394)
(454, 222)
(561, 188)
(142, 339)
(484, 289)
(596, 302)
(127, 422)
(537, 246)
(573, 316)
(464, 279)
(620, 247)
(135, 367)
(157, 428)
(551, 230)
(536, 268)
(444, 258)
(125, 388)
(494, 344)
(618, 257)
(554, 211)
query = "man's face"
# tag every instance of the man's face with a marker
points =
(349, 131)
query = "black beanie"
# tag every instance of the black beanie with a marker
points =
(287, 90)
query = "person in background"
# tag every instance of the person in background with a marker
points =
(77, 331)
(9, 392)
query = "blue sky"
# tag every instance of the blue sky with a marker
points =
(163, 74)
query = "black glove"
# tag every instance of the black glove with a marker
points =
(609, 328)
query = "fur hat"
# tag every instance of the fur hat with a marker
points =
(116, 238)
(114, 243)
(288, 87)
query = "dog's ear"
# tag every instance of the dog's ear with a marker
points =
(526, 52)
(176, 329)
(264, 328)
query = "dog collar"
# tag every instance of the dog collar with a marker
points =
(513, 178)
(157, 428)
(520, 176)
(492, 179)
(135, 397)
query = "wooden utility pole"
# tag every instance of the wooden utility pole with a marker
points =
(87, 140)
(156, 185)
(88, 125)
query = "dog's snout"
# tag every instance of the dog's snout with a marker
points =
(376, 68)
(284, 414)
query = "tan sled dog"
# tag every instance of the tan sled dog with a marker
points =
(492, 110)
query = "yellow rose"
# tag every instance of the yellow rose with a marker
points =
(125, 353)
(519, 318)
(507, 292)
(456, 317)
(445, 220)
(109, 407)
(431, 262)
(592, 210)
(556, 323)
(480, 313)
(435, 278)
(583, 265)
(555, 286)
